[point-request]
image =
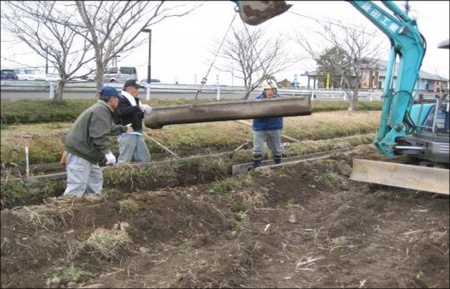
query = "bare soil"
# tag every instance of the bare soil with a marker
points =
(310, 227)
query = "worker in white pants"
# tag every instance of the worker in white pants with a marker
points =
(88, 143)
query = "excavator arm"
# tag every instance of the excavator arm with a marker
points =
(407, 46)
(399, 133)
(401, 130)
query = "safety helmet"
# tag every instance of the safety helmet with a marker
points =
(269, 83)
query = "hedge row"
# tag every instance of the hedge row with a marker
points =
(40, 110)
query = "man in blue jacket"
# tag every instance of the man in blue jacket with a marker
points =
(267, 129)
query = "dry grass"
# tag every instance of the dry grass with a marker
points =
(128, 207)
(327, 125)
(45, 146)
(107, 244)
(52, 130)
(45, 217)
(46, 143)
(238, 193)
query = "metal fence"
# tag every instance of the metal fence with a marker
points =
(219, 90)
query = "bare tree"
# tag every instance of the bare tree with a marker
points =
(254, 56)
(355, 51)
(45, 28)
(113, 27)
(99, 30)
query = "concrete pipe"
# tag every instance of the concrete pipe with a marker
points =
(223, 111)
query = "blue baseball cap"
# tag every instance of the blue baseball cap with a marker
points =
(109, 91)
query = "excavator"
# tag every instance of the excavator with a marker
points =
(409, 125)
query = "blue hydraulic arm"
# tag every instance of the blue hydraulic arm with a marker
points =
(408, 46)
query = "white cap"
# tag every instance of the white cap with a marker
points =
(269, 83)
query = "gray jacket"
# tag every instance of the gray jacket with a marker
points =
(89, 136)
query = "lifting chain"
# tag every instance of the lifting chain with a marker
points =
(252, 45)
(204, 79)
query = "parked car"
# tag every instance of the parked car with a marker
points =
(52, 77)
(155, 80)
(30, 74)
(9, 74)
(78, 79)
(119, 74)
(92, 77)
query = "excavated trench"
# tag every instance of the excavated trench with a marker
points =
(48, 180)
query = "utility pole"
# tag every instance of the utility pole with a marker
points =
(149, 70)
(407, 7)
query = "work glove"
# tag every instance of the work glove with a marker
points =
(110, 159)
(147, 109)
(129, 128)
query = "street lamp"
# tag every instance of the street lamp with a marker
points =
(149, 71)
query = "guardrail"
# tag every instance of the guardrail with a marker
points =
(315, 94)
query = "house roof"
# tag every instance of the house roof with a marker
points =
(382, 66)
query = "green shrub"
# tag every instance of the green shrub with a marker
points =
(43, 110)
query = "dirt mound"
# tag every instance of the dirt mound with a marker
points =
(305, 225)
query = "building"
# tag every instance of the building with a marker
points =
(374, 78)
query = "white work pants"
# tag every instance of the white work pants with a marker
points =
(82, 176)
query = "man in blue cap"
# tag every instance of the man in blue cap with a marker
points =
(88, 143)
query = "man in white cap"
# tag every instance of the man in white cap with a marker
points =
(267, 129)
(130, 111)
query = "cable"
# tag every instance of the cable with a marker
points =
(204, 79)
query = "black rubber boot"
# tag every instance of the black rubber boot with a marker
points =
(257, 163)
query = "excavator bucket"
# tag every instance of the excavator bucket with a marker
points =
(257, 12)
(222, 111)
(428, 179)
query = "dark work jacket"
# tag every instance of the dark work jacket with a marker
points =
(267, 123)
(89, 136)
(126, 113)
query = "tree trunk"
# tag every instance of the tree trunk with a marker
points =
(99, 77)
(59, 90)
(354, 101)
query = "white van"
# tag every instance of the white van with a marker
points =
(119, 74)
(29, 74)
